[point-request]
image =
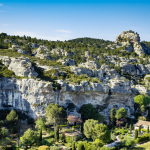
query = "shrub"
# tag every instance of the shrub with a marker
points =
(55, 148)
(142, 118)
(104, 148)
(44, 148)
(73, 146)
(81, 146)
(142, 138)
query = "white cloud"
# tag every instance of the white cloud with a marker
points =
(1, 4)
(6, 25)
(64, 31)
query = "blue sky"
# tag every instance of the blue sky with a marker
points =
(69, 19)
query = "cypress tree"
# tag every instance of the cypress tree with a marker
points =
(126, 126)
(148, 129)
(112, 115)
(57, 133)
(139, 129)
(130, 128)
(40, 135)
(73, 146)
(81, 146)
(136, 134)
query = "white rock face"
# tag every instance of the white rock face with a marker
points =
(32, 96)
(69, 62)
(20, 66)
(129, 35)
(90, 65)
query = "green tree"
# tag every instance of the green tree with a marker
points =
(29, 138)
(139, 129)
(126, 127)
(57, 133)
(81, 146)
(40, 124)
(40, 134)
(112, 115)
(121, 113)
(89, 127)
(142, 108)
(55, 114)
(136, 134)
(142, 100)
(130, 128)
(89, 112)
(148, 129)
(73, 146)
(101, 132)
(128, 141)
(12, 117)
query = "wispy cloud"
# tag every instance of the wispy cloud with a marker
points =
(6, 24)
(64, 31)
(1, 4)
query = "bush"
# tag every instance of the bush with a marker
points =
(105, 148)
(4, 132)
(55, 148)
(114, 148)
(44, 148)
(142, 138)
(142, 118)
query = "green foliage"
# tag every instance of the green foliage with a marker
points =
(130, 128)
(142, 138)
(142, 100)
(57, 133)
(55, 114)
(89, 128)
(29, 137)
(126, 127)
(89, 112)
(142, 118)
(148, 129)
(101, 132)
(112, 115)
(40, 124)
(63, 137)
(3, 133)
(55, 148)
(139, 129)
(44, 148)
(136, 134)
(142, 108)
(40, 134)
(12, 117)
(81, 146)
(73, 146)
(105, 148)
(14, 130)
(121, 113)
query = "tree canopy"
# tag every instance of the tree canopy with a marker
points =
(89, 127)
(12, 117)
(89, 112)
(55, 114)
(121, 113)
(142, 100)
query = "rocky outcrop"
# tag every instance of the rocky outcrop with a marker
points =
(128, 35)
(20, 66)
(32, 96)
(69, 62)
(90, 64)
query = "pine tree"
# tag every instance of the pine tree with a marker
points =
(57, 133)
(40, 136)
(130, 128)
(73, 146)
(148, 129)
(136, 134)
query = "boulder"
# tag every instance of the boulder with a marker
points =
(90, 64)
(69, 62)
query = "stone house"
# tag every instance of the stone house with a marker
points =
(143, 124)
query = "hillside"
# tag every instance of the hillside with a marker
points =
(35, 73)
